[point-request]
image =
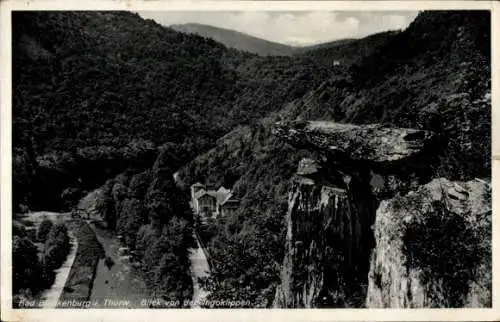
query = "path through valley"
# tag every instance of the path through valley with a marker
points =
(199, 269)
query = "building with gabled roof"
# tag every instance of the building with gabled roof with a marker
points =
(229, 207)
(209, 203)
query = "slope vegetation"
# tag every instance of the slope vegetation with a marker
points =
(88, 83)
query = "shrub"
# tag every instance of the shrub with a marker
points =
(108, 261)
(18, 229)
(43, 230)
(28, 274)
(57, 246)
(448, 251)
(130, 220)
(70, 196)
(138, 185)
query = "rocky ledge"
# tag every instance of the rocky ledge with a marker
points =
(371, 142)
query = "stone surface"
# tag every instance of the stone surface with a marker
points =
(369, 226)
(371, 142)
(309, 167)
(326, 242)
(433, 247)
(332, 205)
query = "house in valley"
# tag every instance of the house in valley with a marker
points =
(210, 202)
(229, 207)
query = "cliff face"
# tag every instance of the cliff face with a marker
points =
(352, 239)
(326, 240)
(433, 248)
(332, 205)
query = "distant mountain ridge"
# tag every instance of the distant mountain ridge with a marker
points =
(237, 40)
(347, 50)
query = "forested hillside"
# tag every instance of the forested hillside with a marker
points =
(344, 51)
(434, 76)
(105, 80)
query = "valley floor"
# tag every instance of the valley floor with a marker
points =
(119, 284)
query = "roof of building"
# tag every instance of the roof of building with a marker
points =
(202, 193)
(220, 195)
(231, 202)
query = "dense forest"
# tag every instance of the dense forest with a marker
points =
(101, 94)
(35, 256)
(88, 83)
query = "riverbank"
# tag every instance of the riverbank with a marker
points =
(116, 280)
(79, 284)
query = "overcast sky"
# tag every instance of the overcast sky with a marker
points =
(293, 28)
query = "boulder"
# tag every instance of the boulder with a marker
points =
(433, 248)
(308, 167)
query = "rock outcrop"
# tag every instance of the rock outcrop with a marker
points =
(433, 248)
(333, 258)
(372, 142)
(327, 234)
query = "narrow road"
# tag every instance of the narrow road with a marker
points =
(199, 268)
(51, 296)
(37, 217)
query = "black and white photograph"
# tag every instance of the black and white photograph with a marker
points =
(250, 159)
